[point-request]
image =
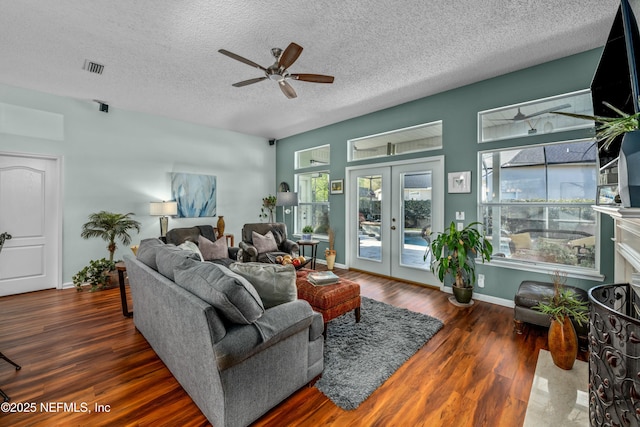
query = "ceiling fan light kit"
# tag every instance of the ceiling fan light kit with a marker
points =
(279, 71)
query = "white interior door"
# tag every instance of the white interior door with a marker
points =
(392, 210)
(29, 213)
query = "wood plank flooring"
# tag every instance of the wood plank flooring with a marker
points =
(78, 349)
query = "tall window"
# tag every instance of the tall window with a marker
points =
(313, 201)
(536, 202)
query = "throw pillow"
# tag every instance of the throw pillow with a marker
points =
(213, 250)
(276, 284)
(266, 243)
(192, 247)
(230, 293)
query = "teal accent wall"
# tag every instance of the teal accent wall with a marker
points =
(458, 109)
(123, 160)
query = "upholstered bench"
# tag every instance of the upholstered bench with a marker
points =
(529, 294)
(329, 300)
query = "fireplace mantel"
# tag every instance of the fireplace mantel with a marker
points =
(626, 236)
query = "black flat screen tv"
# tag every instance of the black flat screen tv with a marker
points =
(616, 78)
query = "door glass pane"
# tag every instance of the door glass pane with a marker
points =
(416, 222)
(369, 209)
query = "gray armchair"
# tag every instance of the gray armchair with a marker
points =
(177, 236)
(279, 230)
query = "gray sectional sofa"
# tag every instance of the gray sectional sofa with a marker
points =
(235, 358)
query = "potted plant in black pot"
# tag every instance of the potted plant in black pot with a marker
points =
(454, 254)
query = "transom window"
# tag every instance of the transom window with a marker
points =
(312, 157)
(536, 203)
(413, 139)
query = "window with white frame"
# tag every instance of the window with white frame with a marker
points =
(313, 201)
(413, 139)
(312, 157)
(535, 203)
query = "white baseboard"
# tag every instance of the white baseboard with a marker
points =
(321, 261)
(486, 298)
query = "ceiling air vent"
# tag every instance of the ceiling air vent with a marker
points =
(93, 67)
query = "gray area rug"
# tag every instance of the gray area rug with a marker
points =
(359, 357)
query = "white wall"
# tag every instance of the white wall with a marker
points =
(122, 160)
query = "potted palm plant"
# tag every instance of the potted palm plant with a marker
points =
(109, 227)
(454, 254)
(561, 308)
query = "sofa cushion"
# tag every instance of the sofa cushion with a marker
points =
(227, 291)
(266, 243)
(190, 246)
(277, 324)
(147, 251)
(213, 250)
(171, 257)
(275, 283)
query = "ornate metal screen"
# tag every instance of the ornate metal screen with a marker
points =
(614, 361)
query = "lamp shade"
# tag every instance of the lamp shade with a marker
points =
(286, 198)
(163, 208)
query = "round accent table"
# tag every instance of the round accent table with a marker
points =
(314, 250)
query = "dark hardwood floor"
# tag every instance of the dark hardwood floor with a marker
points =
(78, 349)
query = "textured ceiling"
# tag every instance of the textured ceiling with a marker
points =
(160, 56)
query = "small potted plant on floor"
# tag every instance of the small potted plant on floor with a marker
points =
(561, 308)
(109, 227)
(454, 253)
(307, 232)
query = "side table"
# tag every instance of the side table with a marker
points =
(122, 269)
(314, 250)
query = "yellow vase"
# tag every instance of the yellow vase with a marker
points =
(330, 257)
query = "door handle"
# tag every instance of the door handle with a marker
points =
(4, 236)
(393, 227)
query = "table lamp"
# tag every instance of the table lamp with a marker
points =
(163, 209)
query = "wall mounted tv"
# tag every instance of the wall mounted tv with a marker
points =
(616, 78)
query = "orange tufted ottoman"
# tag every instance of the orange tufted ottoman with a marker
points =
(329, 300)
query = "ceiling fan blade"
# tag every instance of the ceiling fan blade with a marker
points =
(248, 82)
(287, 89)
(289, 56)
(241, 59)
(314, 78)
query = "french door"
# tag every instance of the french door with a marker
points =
(30, 223)
(391, 211)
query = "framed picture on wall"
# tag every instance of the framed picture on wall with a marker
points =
(337, 186)
(460, 182)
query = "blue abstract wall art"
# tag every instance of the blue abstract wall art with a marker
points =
(195, 194)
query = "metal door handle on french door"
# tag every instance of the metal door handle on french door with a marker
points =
(393, 227)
